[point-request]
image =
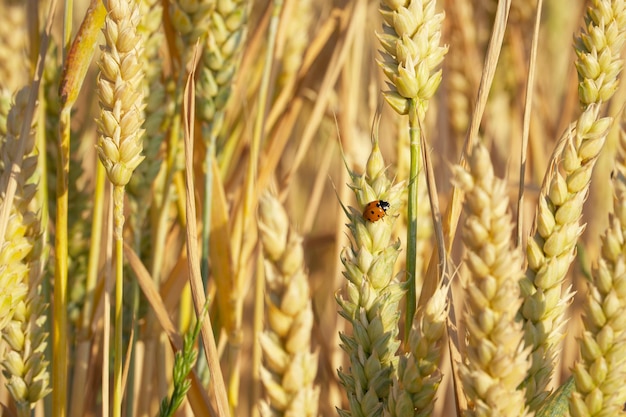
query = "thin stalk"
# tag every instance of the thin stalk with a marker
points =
(257, 329)
(83, 350)
(118, 216)
(67, 27)
(95, 246)
(411, 233)
(532, 65)
(59, 335)
(201, 365)
(161, 226)
(249, 203)
(134, 288)
(208, 199)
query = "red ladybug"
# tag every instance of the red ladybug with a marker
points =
(375, 210)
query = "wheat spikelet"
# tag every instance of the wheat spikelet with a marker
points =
(372, 295)
(496, 361)
(410, 38)
(24, 363)
(289, 367)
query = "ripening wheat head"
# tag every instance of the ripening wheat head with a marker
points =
(22, 314)
(496, 362)
(289, 368)
(372, 294)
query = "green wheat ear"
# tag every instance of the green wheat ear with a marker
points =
(370, 302)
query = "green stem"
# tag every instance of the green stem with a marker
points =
(118, 215)
(411, 234)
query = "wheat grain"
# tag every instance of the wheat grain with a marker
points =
(552, 248)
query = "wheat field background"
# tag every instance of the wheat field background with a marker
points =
(164, 161)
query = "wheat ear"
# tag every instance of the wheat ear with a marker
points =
(600, 373)
(552, 248)
(496, 361)
(119, 144)
(22, 315)
(289, 367)
(372, 295)
(598, 48)
(601, 369)
(220, 60)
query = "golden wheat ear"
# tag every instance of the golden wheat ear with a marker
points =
(289, 367)
(494, 265)
(22, 308)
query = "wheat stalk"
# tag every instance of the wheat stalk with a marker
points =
(289, 367)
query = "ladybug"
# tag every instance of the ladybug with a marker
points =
(375, 210)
